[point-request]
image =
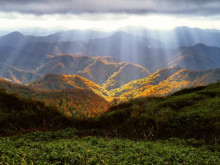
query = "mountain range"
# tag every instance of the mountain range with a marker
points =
(76, 96)
(89, 91)
(161, 83)
(82, 72)
(97, 69)
(180, 36)
(144, 47)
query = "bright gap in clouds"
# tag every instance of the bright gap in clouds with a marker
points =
(105, 22)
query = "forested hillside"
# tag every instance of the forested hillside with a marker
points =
(165, 82)
(77, 102)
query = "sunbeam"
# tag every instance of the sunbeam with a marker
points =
(109, 82)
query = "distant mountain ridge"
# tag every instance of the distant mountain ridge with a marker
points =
(96, 69)
(180, 36)
(30, 52)
(17, 75)
(198, 57)
(16, 38)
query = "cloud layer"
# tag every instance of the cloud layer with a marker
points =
(193, 7)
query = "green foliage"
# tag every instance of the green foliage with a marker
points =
(188, 90)
(191, 113)
(65, 147)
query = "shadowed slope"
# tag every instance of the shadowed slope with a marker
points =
(72, 102)
(17, 75)
(28, 115)
(53, 82)
(197, 57)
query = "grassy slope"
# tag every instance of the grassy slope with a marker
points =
(19, 114)
(65, 147)
(187, 113)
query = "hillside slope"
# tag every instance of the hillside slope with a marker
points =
(96, 69)
(17, 75)
(53, 82)
(166, 81)
(127, 72)
(28, 115)
(65, 64)
(72, 102)
(189, 113)
(197, 57)
(161, 83)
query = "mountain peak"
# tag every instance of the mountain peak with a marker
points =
(200, 46)
(15, 34)
(121, 34)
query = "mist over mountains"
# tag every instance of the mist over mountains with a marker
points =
(152, 49)
(118, 63)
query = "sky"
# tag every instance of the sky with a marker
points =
(108, 15)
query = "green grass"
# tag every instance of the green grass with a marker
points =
(21, 114)
(190, 113)
(65, 147)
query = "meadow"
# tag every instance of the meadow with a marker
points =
(67, 147)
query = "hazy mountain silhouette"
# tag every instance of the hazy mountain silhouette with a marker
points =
(96, 69)
(45, 54)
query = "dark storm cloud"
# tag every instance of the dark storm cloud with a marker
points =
(200, 7)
